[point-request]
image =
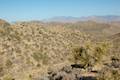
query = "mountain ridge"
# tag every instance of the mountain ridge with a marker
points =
(65, 19)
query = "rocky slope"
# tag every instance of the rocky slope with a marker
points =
(27, 48)
(56, 51)
(3, 23)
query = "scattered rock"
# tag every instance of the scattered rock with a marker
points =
(87, 78)
(77, 66)
(67, 69)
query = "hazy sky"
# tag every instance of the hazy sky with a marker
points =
(41, 9)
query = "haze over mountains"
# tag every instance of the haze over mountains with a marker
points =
(108, 18)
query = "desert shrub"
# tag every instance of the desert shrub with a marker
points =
(89, 55)
(41, 57)
(1, 71)
(8, 77)
(109, 74)
(15, 35)
(2, 32)
(81, 56)
(8, 63)
(100, 50)
(36, 56)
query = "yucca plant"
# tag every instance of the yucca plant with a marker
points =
(81, 55)
(89, 55)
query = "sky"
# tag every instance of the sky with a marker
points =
(17, 10)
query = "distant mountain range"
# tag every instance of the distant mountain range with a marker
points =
(109, 18)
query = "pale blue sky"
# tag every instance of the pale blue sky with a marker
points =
(13, 10)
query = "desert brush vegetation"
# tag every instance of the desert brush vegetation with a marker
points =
(59, 51)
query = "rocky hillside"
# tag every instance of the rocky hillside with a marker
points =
(26, 48)
(55, 51)
(3, 23)
(94, 29)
